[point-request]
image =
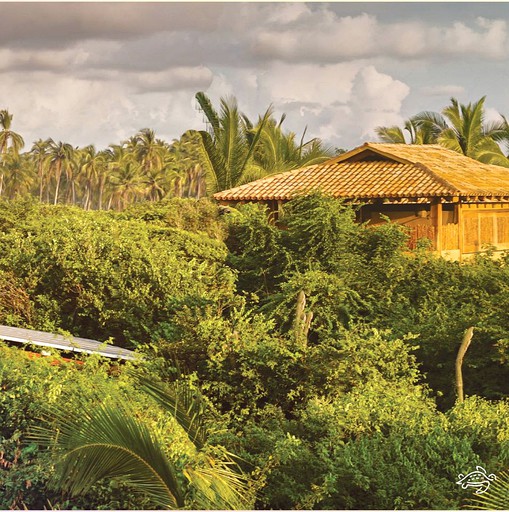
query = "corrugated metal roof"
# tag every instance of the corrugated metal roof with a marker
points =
(67, 343)
(383, 171)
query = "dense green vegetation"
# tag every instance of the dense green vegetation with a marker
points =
(323, 354)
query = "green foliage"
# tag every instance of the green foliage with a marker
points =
(29, 384)
(355, 410)
(319, 231)
(100, 276)
(107, 440)
(255, 248)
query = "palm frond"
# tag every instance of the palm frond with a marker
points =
(261, 124)
(497, 130)
(209, 111)
(109, 442)
(183, 403)
(252, 173)
(489, 152)
(433, 122)
(216, 485)
(211, 160)
(448, 139)
(390, 134)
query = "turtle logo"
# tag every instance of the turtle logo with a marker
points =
(478, 479)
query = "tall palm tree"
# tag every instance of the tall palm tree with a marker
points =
(9, 141)
(39, 152)
(459, 127)
(91, 164)
(60, 158)
(183, 167)
(19, 175)
(156, 184)
(149, 150)
(227, 150)
(126, 185)
(109, 441)
(116, 156)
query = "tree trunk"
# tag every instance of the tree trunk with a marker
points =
(58, 173)
(467, 338)
(302, 321)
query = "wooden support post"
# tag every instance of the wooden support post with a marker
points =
(279, 209)
(467, 338)
(459, 219)
(436, 222)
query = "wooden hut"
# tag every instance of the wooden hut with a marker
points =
(460, 204)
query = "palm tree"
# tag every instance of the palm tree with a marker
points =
(459, 127)
(185, 174)
(19, 175)
(156, 184)
(109, 441)
(462, 128)
(148, 150)
(279, 152)
(126, 185)
(227, 151)
(9, 141)
(39, 152)
(59, 158)
(418, 133)
(92, 166)
(116, 156)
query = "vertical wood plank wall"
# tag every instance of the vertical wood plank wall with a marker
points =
(484, 225)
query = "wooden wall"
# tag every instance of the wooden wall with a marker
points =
(452, 227)
(485, 225)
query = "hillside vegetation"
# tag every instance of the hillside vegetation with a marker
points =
(323, 354)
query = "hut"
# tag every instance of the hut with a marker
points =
(460, 204)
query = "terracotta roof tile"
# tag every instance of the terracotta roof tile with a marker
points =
(383, 171)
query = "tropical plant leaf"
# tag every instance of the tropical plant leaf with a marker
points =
(209, 111)
(108, 441)
(390, 134)
(183, 403)
(217, 485)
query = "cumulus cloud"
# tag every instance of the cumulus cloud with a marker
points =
(331, 38)
(308, 83)
(488, 38)
(85, 111)
(171, 80)
(339, 103)
(328, 39)
(44, 60)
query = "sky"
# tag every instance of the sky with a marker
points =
(97, 73)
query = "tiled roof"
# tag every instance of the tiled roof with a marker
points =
(383, 171)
